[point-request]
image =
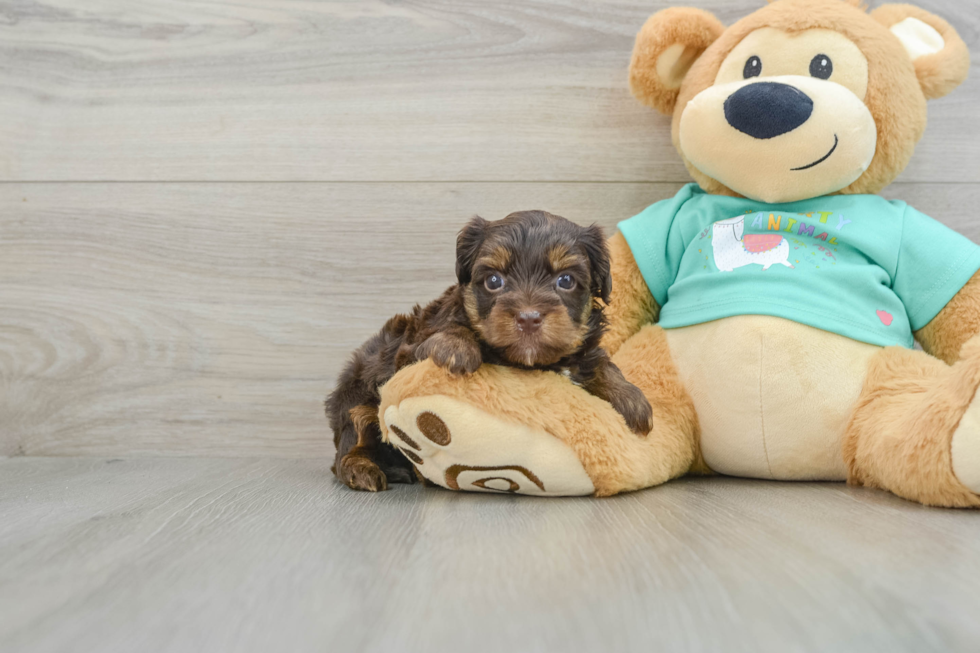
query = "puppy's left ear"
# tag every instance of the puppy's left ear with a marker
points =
(940, 56)
(468, 243)
(594, 241)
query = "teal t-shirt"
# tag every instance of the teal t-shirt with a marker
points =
(859, 265)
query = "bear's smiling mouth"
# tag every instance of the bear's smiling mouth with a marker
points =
(821, 159)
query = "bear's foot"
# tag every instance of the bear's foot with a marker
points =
(916, 428)
(965, 445)
(460, 447)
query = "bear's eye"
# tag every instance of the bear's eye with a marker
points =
(753, 67)
(821, 67)
(494, 281)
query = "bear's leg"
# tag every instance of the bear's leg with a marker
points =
(507, 430)
(646, 362)
(915, 430)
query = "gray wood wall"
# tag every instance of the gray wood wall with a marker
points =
(205, 206)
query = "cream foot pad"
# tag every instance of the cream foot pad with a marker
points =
(460, 447)
(966, 448)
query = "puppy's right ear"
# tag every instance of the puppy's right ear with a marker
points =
(594, 240)
(468, 244)
(666, 48)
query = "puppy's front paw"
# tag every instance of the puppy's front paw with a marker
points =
(629, 402)
(457, 355)
(360, 473)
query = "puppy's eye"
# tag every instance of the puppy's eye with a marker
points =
(565, 282)
(821, 67)
(753, 68)
(494, 281)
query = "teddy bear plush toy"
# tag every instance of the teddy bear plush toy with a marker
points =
(768, 311)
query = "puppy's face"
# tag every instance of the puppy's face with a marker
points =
(529, 282)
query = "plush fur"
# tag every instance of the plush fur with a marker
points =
(693, 30)
(900, 420)
(632, 305)
(899, 436)
(959, 321)
(772, 396)
(938, 73)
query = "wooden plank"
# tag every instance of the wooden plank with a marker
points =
(362, 90)
(259, 555)
(213, 318)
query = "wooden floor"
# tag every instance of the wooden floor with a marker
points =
(272, 555)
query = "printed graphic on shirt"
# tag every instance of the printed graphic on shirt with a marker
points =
(733, 248)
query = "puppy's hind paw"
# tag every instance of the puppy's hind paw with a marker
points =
(360, 473)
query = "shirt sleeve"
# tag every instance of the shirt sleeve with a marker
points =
(657, 253)
(934, 262)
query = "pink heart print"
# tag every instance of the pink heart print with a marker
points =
(885, 317)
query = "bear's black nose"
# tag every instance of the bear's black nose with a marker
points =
(767, 109)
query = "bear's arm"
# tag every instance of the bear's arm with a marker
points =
(631, 305)
(959, 321)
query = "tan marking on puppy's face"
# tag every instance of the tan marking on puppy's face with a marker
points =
(559, 258)
(472, 311)
(496, 259)
(785, 119)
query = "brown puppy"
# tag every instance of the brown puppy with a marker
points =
(530, 294)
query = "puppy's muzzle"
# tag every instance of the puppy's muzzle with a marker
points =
(528, 322)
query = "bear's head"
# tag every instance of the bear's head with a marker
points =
(801, 98)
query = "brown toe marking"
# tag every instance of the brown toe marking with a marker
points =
(411, 455)
(433, 428)
(514, 487)
(452, 474)
(404, 437)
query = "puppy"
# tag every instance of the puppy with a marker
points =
(531, 293)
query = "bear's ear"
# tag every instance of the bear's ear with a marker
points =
(940, 56)
(666, 48)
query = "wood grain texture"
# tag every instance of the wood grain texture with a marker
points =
(431, 90)
(213, 318)
(260, 555)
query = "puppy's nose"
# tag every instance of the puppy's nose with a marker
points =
(767, 109)
(528, 321)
